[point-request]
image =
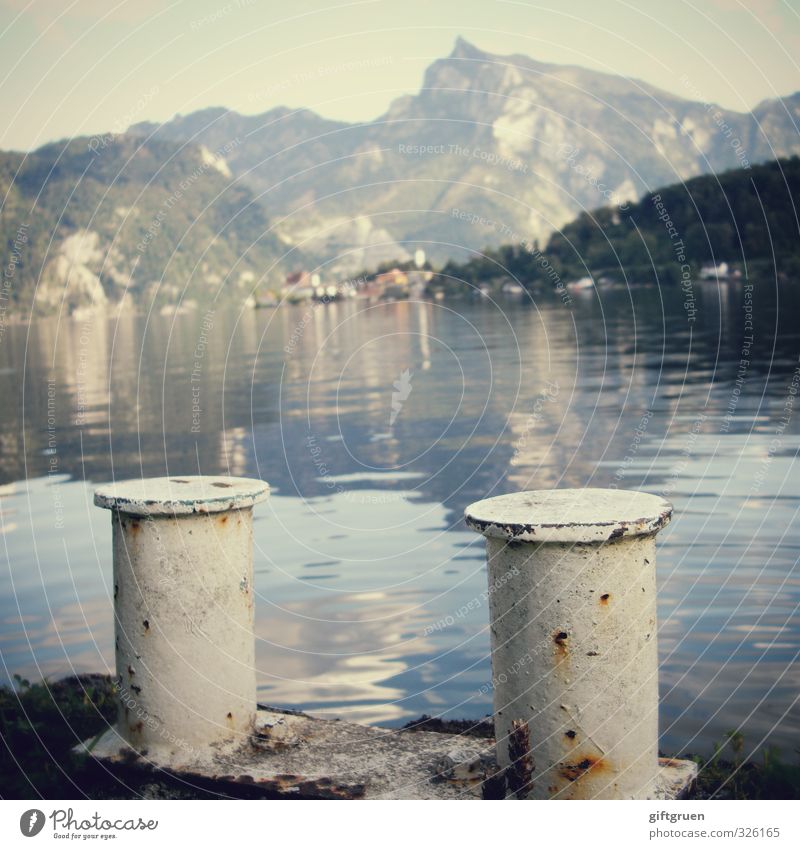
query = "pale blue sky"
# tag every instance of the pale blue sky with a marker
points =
(77, 67)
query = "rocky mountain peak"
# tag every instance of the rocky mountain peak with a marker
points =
(463, 49)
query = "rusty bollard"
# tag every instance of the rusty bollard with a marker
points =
(572, 608)
(183, 605)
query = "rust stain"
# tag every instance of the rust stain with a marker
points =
(295, 786)
(330, 790)
(137, 727)
(323, 788)
(582, 767)
(494, 785)
(128, 756)
(604, 599)
(222, 520)
(519, 774)
(560, 639)
(134, 528)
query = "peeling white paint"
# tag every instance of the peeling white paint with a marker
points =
(573, 631)
(183, 598)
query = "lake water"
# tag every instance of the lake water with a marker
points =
(362, 560)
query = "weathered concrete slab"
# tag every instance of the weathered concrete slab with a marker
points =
(298, 756)
(676, 778)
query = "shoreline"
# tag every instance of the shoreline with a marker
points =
(42, 722)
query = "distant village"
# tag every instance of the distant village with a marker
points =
(406, 280)
(413, 279)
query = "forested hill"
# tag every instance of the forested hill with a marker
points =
(93, 221)
(737, 216)
(745, 217)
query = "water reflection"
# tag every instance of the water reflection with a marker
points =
(361, 559)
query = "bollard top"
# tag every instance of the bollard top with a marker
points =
(181, 495)
(569, 515)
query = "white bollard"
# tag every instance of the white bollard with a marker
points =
(183, 603)
(572, 609)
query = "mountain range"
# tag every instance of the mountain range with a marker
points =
(491, 150)
(520, 144)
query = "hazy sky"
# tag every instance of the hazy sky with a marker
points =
(77, 67)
